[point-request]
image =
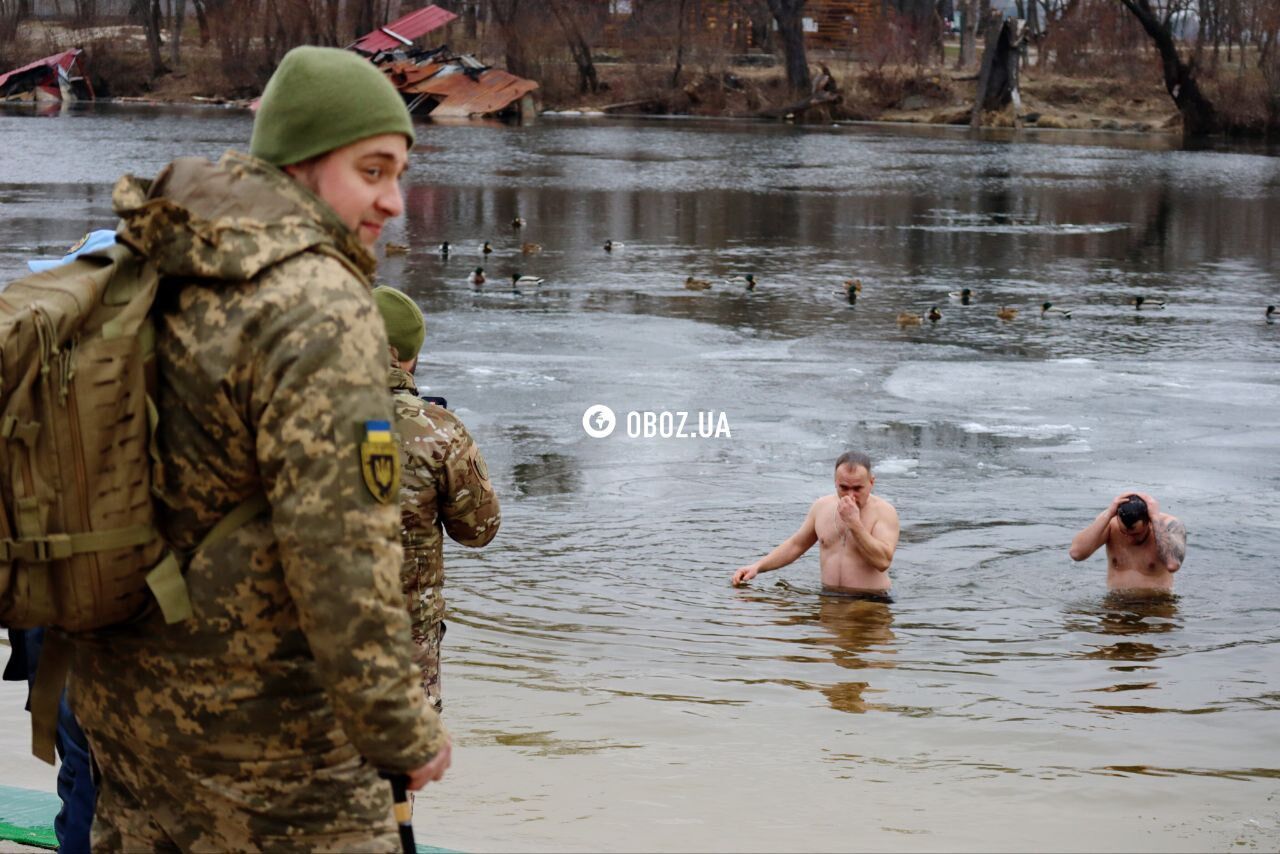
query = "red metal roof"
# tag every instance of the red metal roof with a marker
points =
(65, 59)
(411, 26)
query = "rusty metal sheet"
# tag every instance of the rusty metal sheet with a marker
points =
(460, 96)
(409, 27)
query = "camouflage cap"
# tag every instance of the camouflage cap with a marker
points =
(406, 328)
(322, 98)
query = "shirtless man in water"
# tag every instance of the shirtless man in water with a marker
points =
(858, 533)
(1144, 546)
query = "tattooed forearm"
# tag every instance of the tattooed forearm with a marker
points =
(1171, 542)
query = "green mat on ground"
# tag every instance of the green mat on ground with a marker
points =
(26, 816)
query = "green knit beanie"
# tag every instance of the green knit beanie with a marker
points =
(322, 98)
(405, 327)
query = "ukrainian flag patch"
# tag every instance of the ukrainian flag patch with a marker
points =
(380, 462)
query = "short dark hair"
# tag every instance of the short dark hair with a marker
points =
(1133, 511)
(853, 459)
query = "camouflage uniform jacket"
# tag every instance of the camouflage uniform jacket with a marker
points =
(444, 485)
(272, 358)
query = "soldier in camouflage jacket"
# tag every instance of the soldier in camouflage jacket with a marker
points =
(261, 722)
(444, 487)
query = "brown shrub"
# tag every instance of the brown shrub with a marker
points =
(117, 69)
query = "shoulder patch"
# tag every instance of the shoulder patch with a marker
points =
(380, 462)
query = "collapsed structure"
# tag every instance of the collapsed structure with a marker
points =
(437, 82)
(54, 79)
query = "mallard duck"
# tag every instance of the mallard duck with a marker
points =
(934, 315)
(1050, 308)
(1006, 313)
(696, 284)
(395, 248)
(965, 295)
(444, 249)
(517, 280)
(518, 222)
(485, 248)
(749, 280)
(610, 245)
(1271, 312)
(530, 248)
(476, 277)
(906, 318)
(853, 286)
(1140, 302)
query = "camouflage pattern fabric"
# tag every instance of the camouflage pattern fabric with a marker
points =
(259, 723)
(444, 486)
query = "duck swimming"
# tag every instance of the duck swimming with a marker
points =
(1050, 308)
(749, 280)
(1006, 313)
(610, 245)
(517, 280)
(964, 295)
(906, 318)
(476, 277)
(518, 222)
(395, 248)
(934, 315)
(1271, 311)
(696, 284)
(444, 249)
(485, 248)
(1140, 301)
(530, 248)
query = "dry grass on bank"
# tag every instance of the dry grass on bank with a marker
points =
(1248, 100)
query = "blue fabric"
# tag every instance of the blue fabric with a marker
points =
(91, 242)
(75, 779)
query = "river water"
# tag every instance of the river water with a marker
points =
(607, 689)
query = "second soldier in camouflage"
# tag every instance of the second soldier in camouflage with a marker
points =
(444, 487)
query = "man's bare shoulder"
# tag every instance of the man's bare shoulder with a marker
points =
(826, 501)
(881, 507)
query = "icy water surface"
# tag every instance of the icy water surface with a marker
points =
(608, 689)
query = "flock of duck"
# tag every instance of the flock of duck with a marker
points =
(852, 287)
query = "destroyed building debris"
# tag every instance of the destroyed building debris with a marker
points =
(437, 82)
(59, 78)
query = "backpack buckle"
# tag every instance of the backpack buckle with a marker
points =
(37, 549)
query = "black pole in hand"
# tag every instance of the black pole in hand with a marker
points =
(404, 811)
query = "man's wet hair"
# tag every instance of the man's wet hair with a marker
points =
(1133, 511)
(853, 459)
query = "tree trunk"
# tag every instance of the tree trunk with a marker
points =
(202, 21)
(789, 15)
(681, 24)
(148, 11)
(1199, 118)
(506, 13)
(175, 34)
(588, 81)
(967, 47)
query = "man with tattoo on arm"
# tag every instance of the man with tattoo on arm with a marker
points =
(857, 533)
(1145, 547)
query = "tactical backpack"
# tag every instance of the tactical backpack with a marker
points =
(79, 545)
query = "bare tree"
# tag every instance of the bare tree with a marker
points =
(508, 14)
(682, 24)
(175, 32)
(1199, 118)
(588, 81)
(147, 12)
(790, 17)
